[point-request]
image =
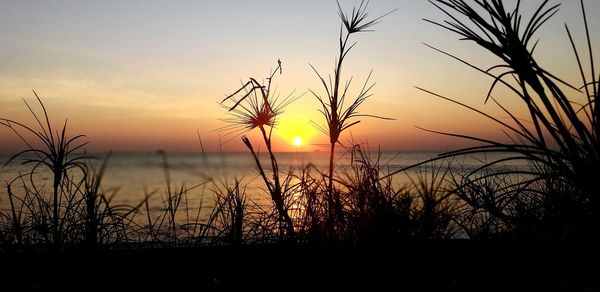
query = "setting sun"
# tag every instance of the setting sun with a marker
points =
(297, 141)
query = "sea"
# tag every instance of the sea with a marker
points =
(129, 178)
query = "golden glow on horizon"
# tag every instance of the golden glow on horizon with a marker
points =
(295, 128)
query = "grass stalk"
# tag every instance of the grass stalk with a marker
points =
(257, 108)
(337, 117)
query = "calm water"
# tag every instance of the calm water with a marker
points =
(132, 176)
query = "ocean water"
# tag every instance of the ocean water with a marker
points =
(130, 177)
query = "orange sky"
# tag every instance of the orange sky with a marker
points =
(148, 75)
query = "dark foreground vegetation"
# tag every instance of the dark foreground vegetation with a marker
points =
(455, 265)
(531, 228)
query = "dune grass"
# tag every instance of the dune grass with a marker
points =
(55, 155)
(373, 209)
(555, 197)
(559, 139)
(338, 117)
(259, 107)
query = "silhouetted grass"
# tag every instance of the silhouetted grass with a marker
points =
(317, 221)
(55, 154)
(558, 199)
(259, 108)
(547, 200)
(339, 118)
(87, 217)
(76, 211)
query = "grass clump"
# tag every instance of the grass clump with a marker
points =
(559, 138)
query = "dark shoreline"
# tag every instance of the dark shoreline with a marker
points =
(450, 265)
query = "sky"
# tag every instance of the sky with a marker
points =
(147, 75)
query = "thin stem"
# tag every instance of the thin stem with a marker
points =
(276, 192)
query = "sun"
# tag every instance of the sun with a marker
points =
(297, 141)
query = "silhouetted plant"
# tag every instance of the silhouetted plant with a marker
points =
(173, 224)
(258, 107)
(91, 194)
(562, 146)
(337, 117)
(56, 154)
(102, 221)
(312, 211)
(86, 215)
(378, 212)
(15, 219)
(78, 212)
(229, 213)
(434, 212)
(497, 204)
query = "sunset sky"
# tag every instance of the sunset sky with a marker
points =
(146, 75)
